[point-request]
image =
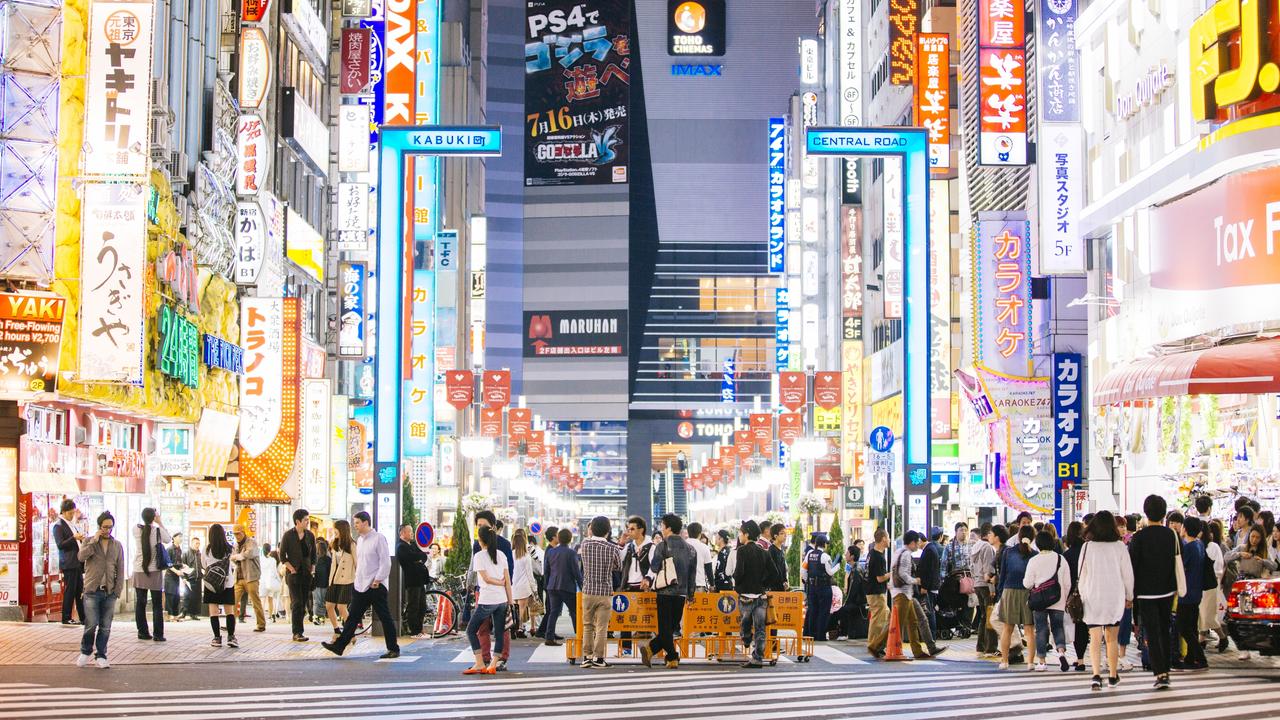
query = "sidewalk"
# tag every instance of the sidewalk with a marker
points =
(187, 642)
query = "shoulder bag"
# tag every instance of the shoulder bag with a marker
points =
(666, 575)
(1178, 570)
(1075, 604)
(1048, 593)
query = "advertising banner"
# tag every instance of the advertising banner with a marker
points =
(353, 217)
(30, 341)
(497, 388)
(352, 312)
(459, 388)
(793, 390)
(761, 429)
(360, 447)
(904, 23)
(251, 242)
(269, 415)
(777, 195)
(782, 328)
(209, 503)
(850, 59)
(491, 422)
(317, 438)
(1069, 413)
(695, 28)
(175, 449)
(253, 154)
(575, 333)
(117, 92)
(419, 392)
(577, 91)
(354, 57)
(215, 435)
(113, 270)
(1002, 297)
(827, 389)
(851, 428)
(940, 307)
(894, 278)
(1002, 83)
(519, 424)
(1058, 61)
(933, 95)
(851, 262)
(1061, 178)
(255, 68)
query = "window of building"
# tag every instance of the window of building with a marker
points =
(117, 435)
(737, 294)
(46, 425)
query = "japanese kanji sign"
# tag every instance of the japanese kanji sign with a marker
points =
(1069, 417)
(777, 195)
(30, 341)
(351, 309)
(904, 23)
(269, 407)
(113, 267)
(1002, 83)
(1061, 169)
(933, 95)
(117, 106)
(577, 91)
(1003, 294)
(1058, 61)
(253, 154)
(251, 242)
(419, 390)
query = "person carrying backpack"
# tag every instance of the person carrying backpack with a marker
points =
(220, 585)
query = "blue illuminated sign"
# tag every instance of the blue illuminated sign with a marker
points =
(396, 145)
(729, 381)
(782, 329)
(219, 353)
(777, 196)
(912, 145)
(688, 70)
(1069, 413)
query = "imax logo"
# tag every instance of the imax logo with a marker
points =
(697, 70)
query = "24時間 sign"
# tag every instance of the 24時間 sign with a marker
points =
(574, 333)
(30, 341)
(577, 91)
(179, 348)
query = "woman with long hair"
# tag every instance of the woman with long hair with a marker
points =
(1074, 542)
(148, 576)
(1015, 607)
(220, 597)
(1211, 536)
(269, 582)
(1106, 590)
(491, 571)
(1048, 565)
(342, 577)
(319, 582)
(523, 586)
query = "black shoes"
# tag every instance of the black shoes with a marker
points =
(300, 638)
(331, 647)
(389, 655)
(1097, 683)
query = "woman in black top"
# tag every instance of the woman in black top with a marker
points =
(320, 583)
(723, 581)
(1074, 542)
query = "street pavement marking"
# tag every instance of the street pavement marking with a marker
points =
(834, 656)
(544, 653)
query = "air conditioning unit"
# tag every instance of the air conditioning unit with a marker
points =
(180, 165)
(81, 436)
(183, 207)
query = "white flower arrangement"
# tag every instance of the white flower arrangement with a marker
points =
(811, 504)
(475, 502)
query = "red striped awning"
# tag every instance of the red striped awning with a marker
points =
(1250, 368)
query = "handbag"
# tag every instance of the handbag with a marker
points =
(667, 575)
(1075, 603)
(1178, 570)
(1048, 593)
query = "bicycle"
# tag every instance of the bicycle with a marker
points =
(442, 613)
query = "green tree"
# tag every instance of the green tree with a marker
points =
(459, 560)
(835, 547)
(408, 510)
(793, 554)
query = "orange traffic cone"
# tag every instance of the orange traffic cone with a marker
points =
(893, 648)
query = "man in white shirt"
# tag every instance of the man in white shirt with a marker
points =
(704, 574)
(373, 569)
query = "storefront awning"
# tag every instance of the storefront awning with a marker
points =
(1250, 368)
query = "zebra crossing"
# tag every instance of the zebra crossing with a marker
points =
(919, 694)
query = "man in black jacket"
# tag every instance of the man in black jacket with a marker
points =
(68, 540)
(414, 575)
(671, 596)
(298, 553)
(752, 576)
(930, 570)
(1154, 550)
(777, 538)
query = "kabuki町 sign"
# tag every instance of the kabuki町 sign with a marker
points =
(576, 333)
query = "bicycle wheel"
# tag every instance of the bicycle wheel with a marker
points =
(441, 613)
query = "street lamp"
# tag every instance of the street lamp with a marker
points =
(476, 448)
(809, 448)
(506, 469)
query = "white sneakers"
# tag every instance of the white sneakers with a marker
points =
(102, 663)
(84, 660)
(1003, 666)
(1040, 667)
(1125, 666)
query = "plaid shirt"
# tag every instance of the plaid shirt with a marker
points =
(600, 559)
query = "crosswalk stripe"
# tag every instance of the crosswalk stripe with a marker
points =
(548, 654)
(834, 656)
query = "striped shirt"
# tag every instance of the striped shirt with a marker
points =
(600, 560)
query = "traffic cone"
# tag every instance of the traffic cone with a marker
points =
(893, 648)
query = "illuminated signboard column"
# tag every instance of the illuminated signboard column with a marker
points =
(1002, 73)
(396, 146)
(912, 147)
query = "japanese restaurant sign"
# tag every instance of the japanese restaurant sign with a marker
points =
(1002, 83)
(904, 23)
(253, 154)
(354, 72)
(268, 414)
(1002, 302)
(117, 104)
(113, 269)
(933, 95)
(30, 341)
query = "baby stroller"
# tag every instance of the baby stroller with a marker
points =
(955, 617)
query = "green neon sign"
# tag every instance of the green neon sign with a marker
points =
(179, 348)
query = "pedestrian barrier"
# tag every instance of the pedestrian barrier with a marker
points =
(710, 627)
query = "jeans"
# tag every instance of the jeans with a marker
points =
(1189, 632)
(557, 600)
(878, 628)
(360, 601)
(817, 611)
(413, 596)
(250, 588)
(753, 614)
(191, 603)
(908, 623)
(929, 600)
(317, 602)
(1047, 621)
(670, 610)
(172, 593)
(72, 593)
(596, 610)
(299, 591)
(100, 609)
(498, 613)
(1154, 615)
(987, 640)
(157, 611)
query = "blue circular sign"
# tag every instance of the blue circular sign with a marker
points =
(621, 603)
(727, 604)
(881, 439)
(535, 527)
(425, 535)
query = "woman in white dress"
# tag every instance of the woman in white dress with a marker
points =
(523, 586)
(269, 582)
(1106, 589)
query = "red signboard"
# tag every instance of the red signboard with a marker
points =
(851, 264)
(519, 423)
(1002, 80)
(933, 95)
(354, 72)
(827, 387)
(793, 390)
(253, 10)
(491, 422)
(1001, 23)
(459, 388)
(790, 427)
(761, 429)
(497, 388)
(536, 445)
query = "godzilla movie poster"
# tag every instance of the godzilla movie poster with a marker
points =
(577, 92)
